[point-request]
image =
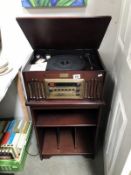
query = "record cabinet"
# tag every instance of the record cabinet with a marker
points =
(66, 97)
(66, 127)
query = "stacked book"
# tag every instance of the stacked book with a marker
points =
(13, 138)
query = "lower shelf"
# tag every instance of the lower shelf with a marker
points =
(71, 141)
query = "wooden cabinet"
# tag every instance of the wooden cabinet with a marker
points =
(64, 129)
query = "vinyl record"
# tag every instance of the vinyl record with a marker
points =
(66, 62)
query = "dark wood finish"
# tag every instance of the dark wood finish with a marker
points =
(57, 104)
(66, 132)
(61, 118)
(65, 127)
(75, 138)
(35, 84)
(84, 142)
(64, 32)
(58, 137)
(39, 136)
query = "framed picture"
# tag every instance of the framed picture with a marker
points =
(53, 3)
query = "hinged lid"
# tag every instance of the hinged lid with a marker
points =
(64, 32)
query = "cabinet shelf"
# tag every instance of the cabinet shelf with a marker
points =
(60, 118)
(66, 104)
(81, 143)
(67, 130)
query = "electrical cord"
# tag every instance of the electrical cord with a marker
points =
(33, 155)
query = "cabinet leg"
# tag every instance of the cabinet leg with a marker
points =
(46, 157)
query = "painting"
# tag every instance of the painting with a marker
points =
(53, 3)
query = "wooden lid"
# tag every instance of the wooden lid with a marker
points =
(64, 32)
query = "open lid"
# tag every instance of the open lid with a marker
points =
(64, 32)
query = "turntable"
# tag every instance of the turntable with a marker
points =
(65, 63)
(64, 80)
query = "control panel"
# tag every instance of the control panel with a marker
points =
(64, 88)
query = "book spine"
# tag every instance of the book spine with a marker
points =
(16, 139)
(5, 138)
(10, 128)
(11, 138)
(25, 127)
(17, 126)
(7, 125)
(22, 141)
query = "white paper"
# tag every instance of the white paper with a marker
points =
(38, 67)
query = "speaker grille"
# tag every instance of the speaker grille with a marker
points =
(93, 89)
(35, 90)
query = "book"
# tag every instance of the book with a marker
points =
(18, 126)
(16, 139)
(11, 126)
(5, 138)
(11, 138)
(22, 141)
(25, 127)
(7, 125)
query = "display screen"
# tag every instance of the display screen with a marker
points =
(52, 84)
